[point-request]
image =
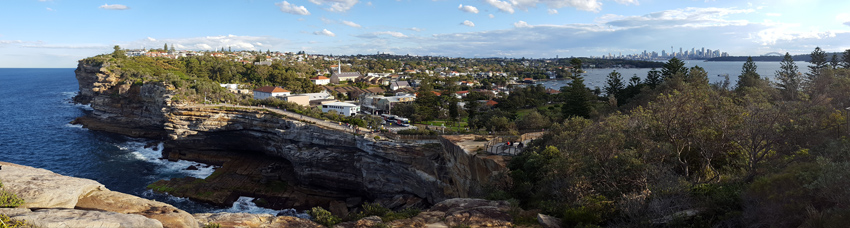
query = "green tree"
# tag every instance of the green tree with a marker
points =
(576, 66)
(577, 98)
(614, 84)
(674, 67)
(165, 47)
(846, 59)
(653, 78)
(819, 63)
(789, 78)
(834, 63)
(749, 77)
(117, 52)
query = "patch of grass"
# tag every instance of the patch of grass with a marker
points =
(324, 217)
(6, 222)
(212, 225)
(160, 187)
(8, 199)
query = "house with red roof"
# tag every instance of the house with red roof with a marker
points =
(320, 80)
(270, 91)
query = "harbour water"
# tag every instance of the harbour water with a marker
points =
(716, 70)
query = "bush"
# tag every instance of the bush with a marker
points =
(212, 225)
(8, 199)
(6, 222)
(324, 217)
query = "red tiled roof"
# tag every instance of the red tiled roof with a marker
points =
(436, 93)
(462, 92)
(319, 78)
(492, 103)
(271, 89)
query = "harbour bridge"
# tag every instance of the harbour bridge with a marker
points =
(773, 54)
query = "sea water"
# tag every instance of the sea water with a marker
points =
(35, 111)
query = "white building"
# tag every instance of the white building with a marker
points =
(270, 91)
(342, 108)
(321, 80)
(318, 96)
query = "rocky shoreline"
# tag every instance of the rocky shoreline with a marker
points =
(285, 163)
(53, 200)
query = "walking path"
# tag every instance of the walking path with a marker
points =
(320, 122)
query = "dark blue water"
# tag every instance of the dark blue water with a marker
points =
(35, 111)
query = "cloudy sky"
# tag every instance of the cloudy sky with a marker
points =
(57, 33)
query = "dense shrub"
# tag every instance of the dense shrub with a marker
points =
(324, 217)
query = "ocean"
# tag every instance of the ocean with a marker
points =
(35, 111)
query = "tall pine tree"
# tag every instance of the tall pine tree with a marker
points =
(577, 98)
(789, 78)
(749, 77)
(846, 60)
(674, 67)
(818, 63)
(614, 84)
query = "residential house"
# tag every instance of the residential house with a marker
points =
(461, 94)
(299, 99)
(346, 109)
(339, 77)
(379, 104)
(320, 80)
(396, 85)
(270, 91)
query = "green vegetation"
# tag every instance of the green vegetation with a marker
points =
(8, 199)
(324, 217)
(6, 222)
(685, 152)
(156, 186)
(212, 225)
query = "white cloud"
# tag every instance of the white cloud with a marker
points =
(468, 23)
(212, 42)
(50, 9)
(10, 41)
(629, 2)
(352, 24)
(417, 29)
(509, 6)
(678, 18)
(324, 32)
(491, 15)
(286, 7)
(553, 11)
(326, 21)
(843, 18)
(114, 7)
(467, 8)
(522, 24)
(391, 33)
(336, 5)
(502, 6)
(773, 14)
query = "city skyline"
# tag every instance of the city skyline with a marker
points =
(56, 33)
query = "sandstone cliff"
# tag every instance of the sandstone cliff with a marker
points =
(121, 106)
(317, 158)
(53, 200)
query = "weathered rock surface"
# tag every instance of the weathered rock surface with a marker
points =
(41, 188)
(246, 220)
(319, 158)
(475, 212)
(121, 106)
(169, 215)
(548, 221)
(50, 218)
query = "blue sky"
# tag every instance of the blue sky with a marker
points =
(57, 33)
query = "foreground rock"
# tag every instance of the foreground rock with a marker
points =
(83, 218)
(48, 192)
(246, 220)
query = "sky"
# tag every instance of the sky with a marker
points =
(58, 33)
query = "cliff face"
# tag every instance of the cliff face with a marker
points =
(331, 159)
(121, 106)
(318, 158)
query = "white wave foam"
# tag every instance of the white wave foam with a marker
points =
(77, 126)
(69, 94)
(86, 107)
(154, 155)
(246, 205)
(150, 194)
